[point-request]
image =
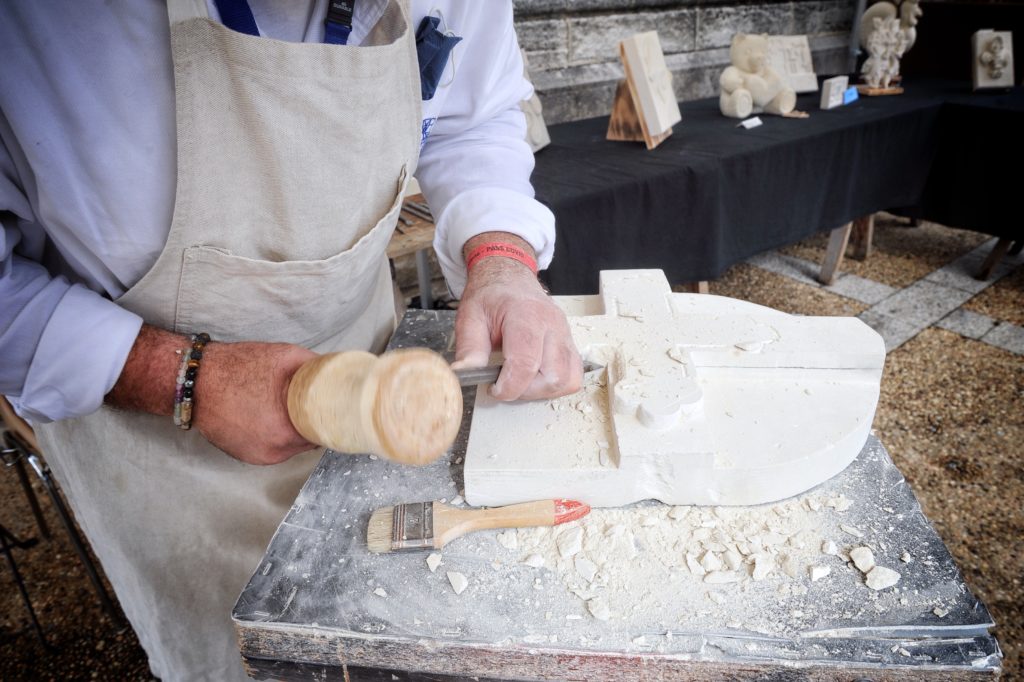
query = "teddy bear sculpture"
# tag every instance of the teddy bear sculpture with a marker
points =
(749, 85)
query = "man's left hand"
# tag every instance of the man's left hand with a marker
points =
(504, 307)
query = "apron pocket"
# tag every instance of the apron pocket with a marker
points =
(234, 298)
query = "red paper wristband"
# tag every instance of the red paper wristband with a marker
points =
(502, 249)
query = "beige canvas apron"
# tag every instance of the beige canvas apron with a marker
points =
(292, 160)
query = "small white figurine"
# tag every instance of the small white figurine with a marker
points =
(749, 85)
(887, 32)
(886, 44)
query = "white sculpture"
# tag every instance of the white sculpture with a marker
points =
(749, 85)
(791, 57)
(704, 400)
(833, 91)
(886, 44)
(887, 32)
(993, 59)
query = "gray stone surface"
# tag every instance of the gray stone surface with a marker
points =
(895, 331)
(526, 7)
(546, 42)
(922, 303)
(967, 323)
(861, 289)
(795, 268)
(959, 274)
(573, 47)
(717, 25)
(827, 16)
(1006, 336)
(596, 38)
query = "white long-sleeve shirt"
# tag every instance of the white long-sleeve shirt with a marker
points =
(88, 164)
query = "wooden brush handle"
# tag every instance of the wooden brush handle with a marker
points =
(450, 523)
(405, 405)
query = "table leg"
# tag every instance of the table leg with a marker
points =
(700, 287)
(994, 256)
(861, 236)
(834, 255)
(423, 277)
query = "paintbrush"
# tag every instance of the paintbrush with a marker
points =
(432, 525)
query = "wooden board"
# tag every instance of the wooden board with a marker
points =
(705, 400)
(869, 91)
(310, 611)
(651, 102)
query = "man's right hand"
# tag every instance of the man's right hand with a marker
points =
(240, 394)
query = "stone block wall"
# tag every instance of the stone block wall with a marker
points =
(573, 46)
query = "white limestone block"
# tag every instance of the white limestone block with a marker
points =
(862, 558)
(682, 414)
(458, 581)
(534, 561)
(599, 609)
(818, 572)
(881, 577)
(569, 541)
(992, 64)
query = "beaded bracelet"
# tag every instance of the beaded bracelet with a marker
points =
(503, 249)
(184, 388)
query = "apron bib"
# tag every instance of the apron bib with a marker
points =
(292, 163)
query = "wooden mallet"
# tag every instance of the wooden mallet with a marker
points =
(405, 405)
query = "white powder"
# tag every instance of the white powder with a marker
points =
(658, 560)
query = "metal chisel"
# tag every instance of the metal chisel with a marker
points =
(489, 374)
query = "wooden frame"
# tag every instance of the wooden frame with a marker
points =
(645, 107)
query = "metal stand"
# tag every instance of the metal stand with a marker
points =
(15, 453)
(7, 542)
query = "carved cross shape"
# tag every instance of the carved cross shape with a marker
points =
(704, 400)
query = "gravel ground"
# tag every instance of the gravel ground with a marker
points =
(950, 414)
(901, 254)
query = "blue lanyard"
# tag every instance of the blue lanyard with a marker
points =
(237, 15)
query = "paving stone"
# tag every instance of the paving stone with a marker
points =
(894, 330)
(967, 323)
(922, 303)
(959, 274)
(795, 268)
(596, 38)
(861, 289)
(1006, 336)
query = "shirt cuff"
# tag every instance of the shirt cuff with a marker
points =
(79, 357)
(490, 209)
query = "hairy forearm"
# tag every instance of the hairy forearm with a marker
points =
(240, 392)
(146, 383)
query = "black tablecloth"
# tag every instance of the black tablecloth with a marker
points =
(714, 194)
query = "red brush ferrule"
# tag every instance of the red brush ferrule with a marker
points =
(570, 510)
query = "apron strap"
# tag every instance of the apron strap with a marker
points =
(183, 10)
(236, 15)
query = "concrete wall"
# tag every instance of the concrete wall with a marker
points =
(573, 46)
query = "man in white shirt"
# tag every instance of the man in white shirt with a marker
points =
(155, 184)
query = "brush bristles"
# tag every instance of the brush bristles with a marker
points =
(378, 532)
